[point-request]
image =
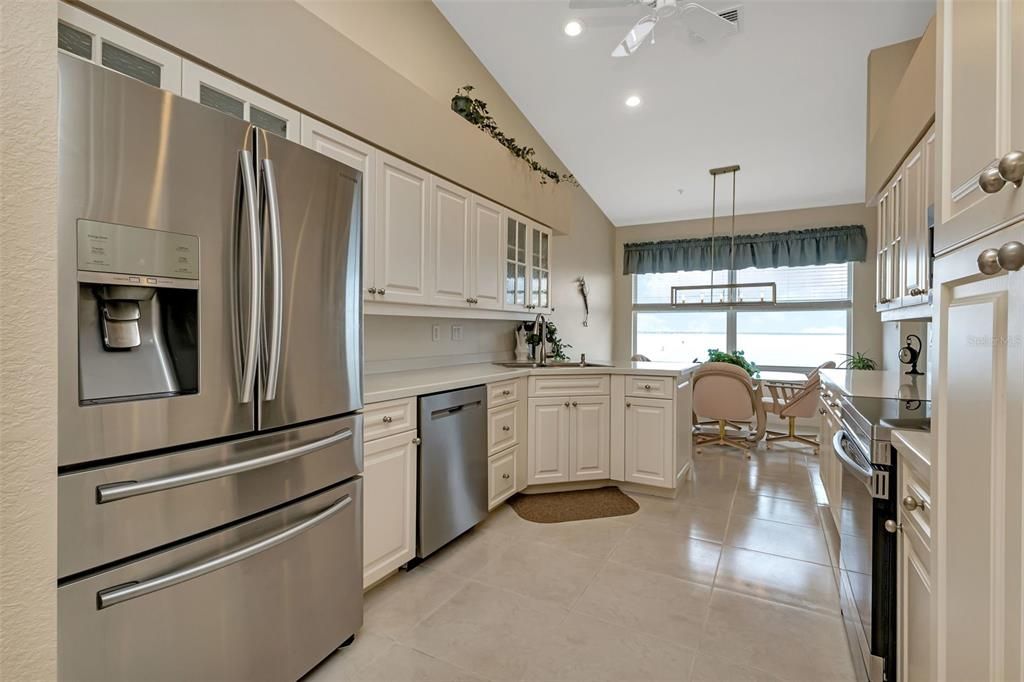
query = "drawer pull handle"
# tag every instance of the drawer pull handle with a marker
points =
(505, 476)
(122, 593)
(911, 503)
(506, 427)
(387, 419)
(506, 392)
(109, 492)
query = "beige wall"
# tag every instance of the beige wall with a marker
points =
(286, 51)
(865, 326)
(28, 331)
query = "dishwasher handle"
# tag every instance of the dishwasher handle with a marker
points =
(877, 482)
(454, 409)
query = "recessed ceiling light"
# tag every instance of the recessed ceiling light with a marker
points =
(573, 28)
(633, 101)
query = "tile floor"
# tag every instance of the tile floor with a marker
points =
(727, 582)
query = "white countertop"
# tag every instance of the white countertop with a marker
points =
(878, 384)
(915, 445)
(395, 385)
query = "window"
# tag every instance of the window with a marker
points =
(808, 325)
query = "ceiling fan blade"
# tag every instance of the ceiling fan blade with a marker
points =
(601, 4)
(636, 36)
(707, 24)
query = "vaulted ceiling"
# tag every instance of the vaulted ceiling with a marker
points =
(785, 98)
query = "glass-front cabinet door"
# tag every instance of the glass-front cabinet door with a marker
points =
(516, 263)
(540, 268)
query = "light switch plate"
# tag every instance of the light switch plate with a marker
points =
(435, 333)
(456, 332)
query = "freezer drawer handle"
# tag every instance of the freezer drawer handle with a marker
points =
(122, 593)
(110, 492)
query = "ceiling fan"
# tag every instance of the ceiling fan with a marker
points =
(699, 20)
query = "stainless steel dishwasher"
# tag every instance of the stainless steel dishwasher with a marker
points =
(452, 481)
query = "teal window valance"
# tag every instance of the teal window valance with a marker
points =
(817, 246)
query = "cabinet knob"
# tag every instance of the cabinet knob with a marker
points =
(911, 503)
(891, 526)
(629, 404)
(884, 300)
(380, 291)
(506, 427)
(506, 392)
(574, 403)
(469, 300)
(372, 290)
(647, 387)
(567, 403)
(917, 291)
(1011, 167)
(417, 441)
(991, 181)
(505, 476)
(1011, 256)
(822, 410)
(387, 419)
(988, 262)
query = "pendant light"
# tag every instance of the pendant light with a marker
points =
(730, 294)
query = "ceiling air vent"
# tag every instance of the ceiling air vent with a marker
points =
(732, 15)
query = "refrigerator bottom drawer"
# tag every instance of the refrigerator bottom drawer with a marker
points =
(266, 599)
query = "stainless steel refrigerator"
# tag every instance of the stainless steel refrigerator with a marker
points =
(210, 511)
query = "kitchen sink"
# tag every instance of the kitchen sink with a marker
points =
(552, 365)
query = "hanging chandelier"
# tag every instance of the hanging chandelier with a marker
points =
(729, 294)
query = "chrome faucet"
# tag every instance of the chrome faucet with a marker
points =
(540, 327)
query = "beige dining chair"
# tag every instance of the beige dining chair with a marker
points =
(724, 393)
(792, 402)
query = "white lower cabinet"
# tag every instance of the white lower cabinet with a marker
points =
(389, 504)
(501, 477)
(548, 429)
(589, 451)
(913, 574)
(650, 438)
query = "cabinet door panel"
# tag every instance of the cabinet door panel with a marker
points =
(402, 250)
(450, 227)
(485, 260)
(914, 613)
(649, 455)
(389, 505)
(548, 429)
(354, 154)
(915, 225)
(589, 448)
(201, 85)
(977, 472)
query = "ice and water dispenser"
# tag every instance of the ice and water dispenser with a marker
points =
(138, 313)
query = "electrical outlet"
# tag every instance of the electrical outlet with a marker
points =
(456, 333)
(435, 333)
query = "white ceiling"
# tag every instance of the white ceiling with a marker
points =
(784, 98)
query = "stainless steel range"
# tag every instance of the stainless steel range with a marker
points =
(210, 512)
(864, 545)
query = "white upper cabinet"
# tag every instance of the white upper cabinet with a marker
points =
(980, 115)
(450, 219)
(230, 97)
(486, 257)
(88, 37)
(362, 157)
(527, 265)
(403, 266)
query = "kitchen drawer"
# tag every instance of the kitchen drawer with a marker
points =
(916, 486)
(650, 387)
(501, 427)
(258, 600)
(385, 419)
(501, 479)
(569, 385)
(154, 501)
(503, 393)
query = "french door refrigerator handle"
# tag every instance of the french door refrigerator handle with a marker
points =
(122, 593)
(276, 279)
(111, 492)
(251, 349)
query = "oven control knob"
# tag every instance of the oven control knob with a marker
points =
(892, 526)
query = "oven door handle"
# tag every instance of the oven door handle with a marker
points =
(865, 473)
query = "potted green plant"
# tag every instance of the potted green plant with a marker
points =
(556, 347)
(858, 361)
(737, 358)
